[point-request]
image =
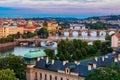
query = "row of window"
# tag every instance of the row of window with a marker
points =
(50, 77)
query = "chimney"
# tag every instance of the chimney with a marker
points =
(106, 56)
(38, 59)
(64, 62)
(118, 57)
(115, 60)
(96, 59)
(89, 67)
(94, 66)
(78, 63)
(53, 61)
(42, 57)
(113, 52)
(75, 62)
(103, 58)
(47, 60)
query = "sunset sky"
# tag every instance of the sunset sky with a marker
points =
(58, 8)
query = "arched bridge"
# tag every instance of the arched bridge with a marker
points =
(73, 33)
(37, 41)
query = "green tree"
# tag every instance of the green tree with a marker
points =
(43, 32)
(108, 73)
(50, 53)
(83, 51)
(98, 44)
(74, 57)
(7, 74)
(15, 63)
(61, 57)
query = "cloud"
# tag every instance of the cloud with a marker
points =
(77, 7)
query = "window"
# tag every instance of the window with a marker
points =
(55, 77)
(61, 78)
(50, 77)
(45, 77)
(36, 76)
(40, 76)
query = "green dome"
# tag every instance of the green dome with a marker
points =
(35, 54)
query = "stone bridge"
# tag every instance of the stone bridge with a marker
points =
(73, 33)
(37, 41)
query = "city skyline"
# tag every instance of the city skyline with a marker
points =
(58, 8)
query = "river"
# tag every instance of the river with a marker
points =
(22, 50)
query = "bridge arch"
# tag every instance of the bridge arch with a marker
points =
(111, 32)
(84, 33)
(66, 34)
(102, 33)
(75, 34)
(93, 33)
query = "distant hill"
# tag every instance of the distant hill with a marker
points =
(110, 17)
(57, 19)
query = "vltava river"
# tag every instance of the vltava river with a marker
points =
(22, 50)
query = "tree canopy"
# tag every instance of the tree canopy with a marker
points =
(108, 73)
(7, 74)
(43, 32)
(15, 63)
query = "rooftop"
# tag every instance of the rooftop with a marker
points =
(81, 69)
(35, 54)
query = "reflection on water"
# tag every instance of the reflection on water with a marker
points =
(82, 38)
(22, 50)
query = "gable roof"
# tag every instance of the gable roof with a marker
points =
(81, 69)
(117, 35)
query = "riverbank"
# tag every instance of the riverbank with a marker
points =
(7, 46)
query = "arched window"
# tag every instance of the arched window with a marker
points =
(36, 76)
(40, 76)
(67, 71)
(45, 77)
(50, 77)
(55, 77)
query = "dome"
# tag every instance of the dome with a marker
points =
(35, 54)
(30, 23)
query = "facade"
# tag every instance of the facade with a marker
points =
(5, 31)
(40, 67)
(77, 27)
(115, 42)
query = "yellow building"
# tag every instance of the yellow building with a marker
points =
(52, 27)
(5, 31)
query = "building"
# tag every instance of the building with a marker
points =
(5, 31)
(77, 27)
(41, 68)
(115, 41)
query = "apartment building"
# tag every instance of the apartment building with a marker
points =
(115, 41)
(5, 31)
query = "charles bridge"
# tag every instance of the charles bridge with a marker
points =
(87, 32)
(37, 40)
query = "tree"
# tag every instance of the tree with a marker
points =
(98, 44)
(50, 53)
(7, 74)
(108, 73)
(61, 57)
(43, 32)
(15, 63)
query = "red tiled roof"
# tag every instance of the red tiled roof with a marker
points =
(117, 35)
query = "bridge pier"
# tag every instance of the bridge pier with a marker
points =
(37, 43)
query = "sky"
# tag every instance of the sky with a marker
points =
(58, 8)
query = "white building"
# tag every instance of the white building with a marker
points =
(77, 27)
(115, 41)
